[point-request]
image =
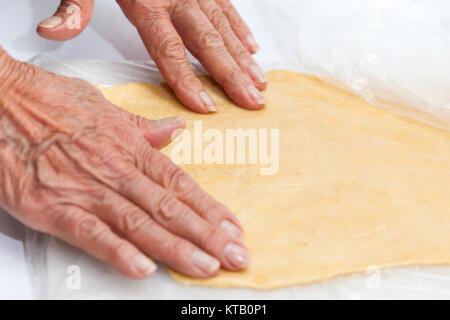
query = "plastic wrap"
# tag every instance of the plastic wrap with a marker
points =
(395, 51)
(385, 51)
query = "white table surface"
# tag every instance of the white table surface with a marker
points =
(109, 36)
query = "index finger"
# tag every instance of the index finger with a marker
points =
(167, 50)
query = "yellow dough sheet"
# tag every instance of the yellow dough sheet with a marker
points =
(357, 186)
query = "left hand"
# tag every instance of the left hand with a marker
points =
(212, 31)
(76, 166)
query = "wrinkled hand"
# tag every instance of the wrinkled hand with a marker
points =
(212, 31)
(75, 166)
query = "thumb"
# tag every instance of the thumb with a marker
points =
(68, 21)
(160, 133)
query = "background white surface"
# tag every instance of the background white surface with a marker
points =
(368, 45)
(109, 36)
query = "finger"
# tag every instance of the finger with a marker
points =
(163, 171)
(239, 26)
(182, 221)
(160, 133)
(137, 226)
(206, 44)
(167, 50)
(69, 20)
(235, 47)
(86, 231)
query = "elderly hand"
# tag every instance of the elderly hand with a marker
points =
(75, 166)
(212, 31)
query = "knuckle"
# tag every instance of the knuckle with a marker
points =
(116, 251)
(210, 40)
(214, 211)
(133, 220)
(241, 55)
(88, 229)
(217, 18)
(171, 48)
(209, 237)
(41, 95)
(183, 78)
(141, 122)
(178, 182)
(232, 78)
(181, 7)
(187, 81)
(107, 148)
(167, 206)
(149, 19)
(146, 157)
(125, 177)
(238, 52)
(41, 219)
(115, 163)
(230, 37)
(177, 248)
(158, 161)
(162, 165)
(236, 21)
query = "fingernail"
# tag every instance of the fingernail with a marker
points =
(252, 43)
(257, 74)
(256, 95)
(208, 103)
(205, 262)
(236, 256)
(50, 22)
(144, 265)
(169, 121)
(231, 229)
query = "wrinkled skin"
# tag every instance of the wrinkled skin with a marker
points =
(211, 30)
(76, 166)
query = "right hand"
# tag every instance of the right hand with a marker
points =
(212, 30)
(77, 167)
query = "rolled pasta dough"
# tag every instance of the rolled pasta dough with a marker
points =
(357, 186)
